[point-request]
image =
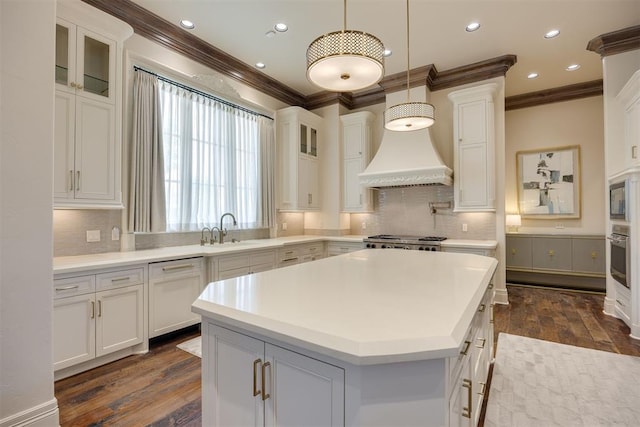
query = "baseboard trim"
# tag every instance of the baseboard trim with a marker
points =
(501, 296)
(43, 415)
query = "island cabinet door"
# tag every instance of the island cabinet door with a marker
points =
(232, 384)
(302, 391)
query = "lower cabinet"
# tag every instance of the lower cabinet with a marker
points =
(296, 254)
(173, 287)
(338, 248)
(97, 314)
(468, 373)
(253, 383)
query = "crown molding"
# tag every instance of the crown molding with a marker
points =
(559, 94)
(616, 42)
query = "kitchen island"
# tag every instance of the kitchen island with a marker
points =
(374, 337)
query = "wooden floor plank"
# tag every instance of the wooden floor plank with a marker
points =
(163, 387)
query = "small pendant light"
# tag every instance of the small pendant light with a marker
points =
(409, 115)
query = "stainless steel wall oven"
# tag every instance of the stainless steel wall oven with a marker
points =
(620, 259)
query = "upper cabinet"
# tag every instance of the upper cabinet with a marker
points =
(356, 155)
(474, 148)
(298, 137)
(88, 107)
(629, 97)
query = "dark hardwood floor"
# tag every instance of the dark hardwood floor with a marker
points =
(162, 388)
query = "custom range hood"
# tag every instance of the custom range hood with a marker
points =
(406, 158)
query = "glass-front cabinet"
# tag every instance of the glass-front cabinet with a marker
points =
(308, 140)
(85, 62)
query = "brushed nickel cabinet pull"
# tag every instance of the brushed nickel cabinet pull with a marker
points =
(483, 342)
(120, 279)
(289, 259)
(491, 313)
(594, 255)
(552, 252)
(266, 365)
(99, 308)
(77, 180)
(256, 362)
(177, 267)
(70, 180)
(67, 288)
(93, 310)
(466, 411)
(465, 350)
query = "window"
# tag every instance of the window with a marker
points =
(212, 161)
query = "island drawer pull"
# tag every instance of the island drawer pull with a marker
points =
(67, 288)
(466, 348)
(256, 362)
(177, 267)
(482, 308)
(491, 313)
(93, 310)
(289, 259)
(466, 411)
(483, 390)
(266, 365)
(99, 308)
(120, 279)
(483, 341)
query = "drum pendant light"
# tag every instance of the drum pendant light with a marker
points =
(409, 115)
(345, 61)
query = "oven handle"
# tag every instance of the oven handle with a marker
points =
(618, 240)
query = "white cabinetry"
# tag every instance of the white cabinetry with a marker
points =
(253, 383)
(629, 97)
(304, 252)
(298, 137)
(87, 138)
(356, 155)
(339, 247)
(229, 266)
(474, 148)
(97, 314)
(173, 287)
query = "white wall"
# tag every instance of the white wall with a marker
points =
(578, 122)
(26, 170)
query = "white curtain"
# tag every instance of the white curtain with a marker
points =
(146, 195)
(213, 161)
(267, 172)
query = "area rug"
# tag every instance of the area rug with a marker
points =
(193, 346)
(541, 383)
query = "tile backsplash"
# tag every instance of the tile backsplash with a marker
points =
(70, 228)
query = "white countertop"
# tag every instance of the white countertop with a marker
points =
(72, 264)
(368, 307)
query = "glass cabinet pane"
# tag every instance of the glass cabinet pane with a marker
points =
(62, 55)
(96, 67)
(303, 139)
(314, 143)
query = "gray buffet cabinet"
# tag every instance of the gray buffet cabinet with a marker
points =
(568, 261)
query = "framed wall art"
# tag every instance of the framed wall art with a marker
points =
(549, 183)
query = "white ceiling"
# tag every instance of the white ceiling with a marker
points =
(438, 34)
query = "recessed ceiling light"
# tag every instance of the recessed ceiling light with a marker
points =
(572, 67)
(532, 75)
(260, 65)
(387, 52)
(281, 27)
(551, 34)
(472, 27)
(185, 23)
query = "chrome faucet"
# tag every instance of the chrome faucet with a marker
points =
(223, 232)
(202, 239)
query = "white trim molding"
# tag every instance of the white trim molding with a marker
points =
(44, 415)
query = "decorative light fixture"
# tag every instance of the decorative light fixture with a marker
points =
(345, 61)
(409, 115)
(513, 222)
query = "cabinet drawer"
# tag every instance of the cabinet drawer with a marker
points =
(118, 279)
(315, 249)
(263, 258)
(187, 267)
(551, 253)
(288, 255)
(233, 262)
(588, 255)
(338, 248)
(74, 286)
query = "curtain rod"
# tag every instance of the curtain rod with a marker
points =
(199, 92)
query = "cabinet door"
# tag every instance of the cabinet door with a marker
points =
(308, 185)
(73, 330)
(518, 252)
(233, 272)
(353, 197)
(304, 391)
(588, 255)
(96, 66)
(473, 183)
(95, 150)
(63, 145)
(119, 319)
(472, 124)
(550, 253)
(232, 380)
(461, 400)
(173, 288)
(65, 70)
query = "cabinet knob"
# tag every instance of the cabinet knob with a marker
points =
(72, 84)
(513, 251)
(594, 255)
(552, 252)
